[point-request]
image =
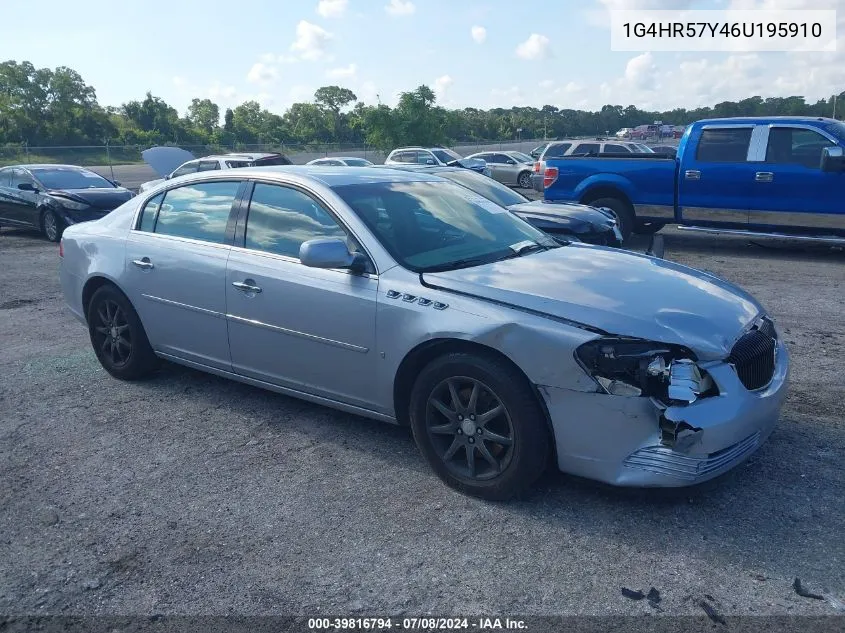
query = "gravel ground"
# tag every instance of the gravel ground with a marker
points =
(190, 494)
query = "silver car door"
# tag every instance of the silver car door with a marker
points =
(176, 270)
(510, 169)
(308, 329)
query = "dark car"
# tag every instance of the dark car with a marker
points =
(49, 198)
(566, 221)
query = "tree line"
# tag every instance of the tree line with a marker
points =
(55, 107)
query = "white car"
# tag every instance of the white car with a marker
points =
(341, 161)
(625, 132)
(435, 156)
(172, 162)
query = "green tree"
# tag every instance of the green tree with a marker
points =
(204, 115)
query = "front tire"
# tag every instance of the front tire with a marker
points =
(51, 226)
(623, 212)
(524, 180)
(117, 336)
(479, 425)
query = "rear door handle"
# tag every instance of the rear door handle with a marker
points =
(143, 263)
(247, 285)
(764, 176)
(692, 174)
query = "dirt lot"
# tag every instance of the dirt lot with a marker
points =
(190, 494)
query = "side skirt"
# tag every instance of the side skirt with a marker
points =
(333, 404)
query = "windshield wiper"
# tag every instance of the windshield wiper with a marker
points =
(524, 248)
(462, 263)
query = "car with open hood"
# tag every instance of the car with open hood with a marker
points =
(407, 298)
(49, 198)
(172, 162)
(435, 156)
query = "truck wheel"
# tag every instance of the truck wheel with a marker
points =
(648, 228)
(623, 212)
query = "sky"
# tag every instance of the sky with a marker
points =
(473, 53)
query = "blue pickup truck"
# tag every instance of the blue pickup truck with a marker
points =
(776, 176)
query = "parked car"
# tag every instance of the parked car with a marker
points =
(49, 198)
(576, 147)
(775, 176)
(498, 345)
(625, 132)
(664, 149)
(435, 156)
(510, 168)
(340, 161)
(565, 221)
(644, 131)
(172, 162)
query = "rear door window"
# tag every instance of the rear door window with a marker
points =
(611, 147)
(199, 211)
(585, 148)
(724, 145)
(556, 151)
(208, 165)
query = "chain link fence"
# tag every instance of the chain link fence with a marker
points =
(124, 163)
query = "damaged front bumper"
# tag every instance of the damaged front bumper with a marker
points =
(635, 441)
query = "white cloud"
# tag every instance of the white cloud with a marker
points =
(300, 93)
(261, 73)
(221, 91)
(535, 47)
(178, 81)
(332, 8)
(442, 85)
(479, 34)
(400, 7)
(342, 72)
(367, 92)
(546, 84)
(600, 15)
(640, 70)
(267, 58)
(311, 41)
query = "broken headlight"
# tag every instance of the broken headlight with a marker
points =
(633, 367)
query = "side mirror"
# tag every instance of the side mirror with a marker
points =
(330, 252)
(833, 159)
(429, 161)
(116, 183)
(27, 186)
(168, 176)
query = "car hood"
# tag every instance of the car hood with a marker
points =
(106, 199)
(476, 164)
(579, 218)
(617, 292)
(164, 160)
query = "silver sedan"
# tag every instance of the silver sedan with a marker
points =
(407, 298)
(509, 168)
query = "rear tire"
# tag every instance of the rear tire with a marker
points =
(493, 444)
(52, 226)
(622, 210)
(117, 336)
(524, 180)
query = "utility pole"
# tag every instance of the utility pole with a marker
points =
(834, 106)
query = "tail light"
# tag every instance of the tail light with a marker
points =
(537, 167)
(549, 176)
(61, 247)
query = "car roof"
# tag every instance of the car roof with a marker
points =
(48, 166)
(428, 149)
(768, 119)
(329, 175)
(341, 158)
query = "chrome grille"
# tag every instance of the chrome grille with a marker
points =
(753, 356)
(664, 461)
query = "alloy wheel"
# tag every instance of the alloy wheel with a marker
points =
(51, 227)
(111, 333)
(470, 428)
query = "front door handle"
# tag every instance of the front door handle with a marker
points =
(764, 176)
(692, 174)
(247, 285)
(144, 263)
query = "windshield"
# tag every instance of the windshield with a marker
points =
(357, 162)
(445, 155)
(63, 178)
(522, 158)
(429, 226)
(484, 186)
